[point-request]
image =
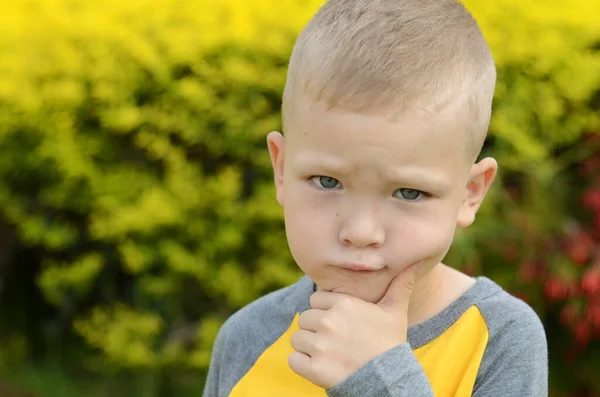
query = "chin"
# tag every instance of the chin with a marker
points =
(371, 297)
(361, 293)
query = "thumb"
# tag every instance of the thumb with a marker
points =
(400, 289)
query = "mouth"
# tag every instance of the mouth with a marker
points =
(359, 267)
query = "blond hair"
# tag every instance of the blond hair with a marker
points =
(393, 55)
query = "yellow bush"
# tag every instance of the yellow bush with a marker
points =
(134, 140)
(547, 56)
(125, 335)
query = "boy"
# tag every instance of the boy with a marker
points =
(385, 109)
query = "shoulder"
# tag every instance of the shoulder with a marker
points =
(505, 313)
(250, 331)
(516, 355)
(267, 317)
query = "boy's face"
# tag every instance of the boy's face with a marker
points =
(364, 198)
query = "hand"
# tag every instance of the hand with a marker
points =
(342, 333)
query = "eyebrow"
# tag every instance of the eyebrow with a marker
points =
(418, 176)
(410, 175)
(315, 160)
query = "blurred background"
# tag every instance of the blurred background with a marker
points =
(136, 203)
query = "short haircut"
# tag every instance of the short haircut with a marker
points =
(395, 56)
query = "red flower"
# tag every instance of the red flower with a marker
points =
(590, 283)
(579, 252)
(555, 289)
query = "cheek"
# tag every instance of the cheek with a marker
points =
(436, 243)
(424, 238)
(309, 223)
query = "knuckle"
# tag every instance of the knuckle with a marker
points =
(326, 323)
(344, 303)
(317, 367)
(320, 372)
(320, 347)
(340, 333)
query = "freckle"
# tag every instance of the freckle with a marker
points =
(337, 214)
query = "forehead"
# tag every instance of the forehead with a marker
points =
(418, 139)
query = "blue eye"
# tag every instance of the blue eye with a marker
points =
(325, 182)
(410, 194)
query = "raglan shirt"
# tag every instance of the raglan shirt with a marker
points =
(486, 343)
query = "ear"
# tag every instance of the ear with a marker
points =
(481, 177)
(276, 145)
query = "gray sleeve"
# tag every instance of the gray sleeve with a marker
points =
(515, 362)
(211, 387)
(395, 373)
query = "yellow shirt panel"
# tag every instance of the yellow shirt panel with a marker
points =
(271, 375)
(451, 362)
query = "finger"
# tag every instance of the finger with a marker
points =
(300, 363)
(311, 319)
(400, 289)
(324, 300)
(304, 342)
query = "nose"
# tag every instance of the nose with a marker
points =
(362, 229)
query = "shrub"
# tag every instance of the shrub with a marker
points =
(137, 187)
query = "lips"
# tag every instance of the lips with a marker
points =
(359, 267)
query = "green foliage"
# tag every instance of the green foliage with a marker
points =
(134, 135)
(548, 62)
(135, 175)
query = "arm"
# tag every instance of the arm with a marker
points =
(211, 387)
(395, 373)
(515, 362)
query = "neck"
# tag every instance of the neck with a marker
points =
(429, 295)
